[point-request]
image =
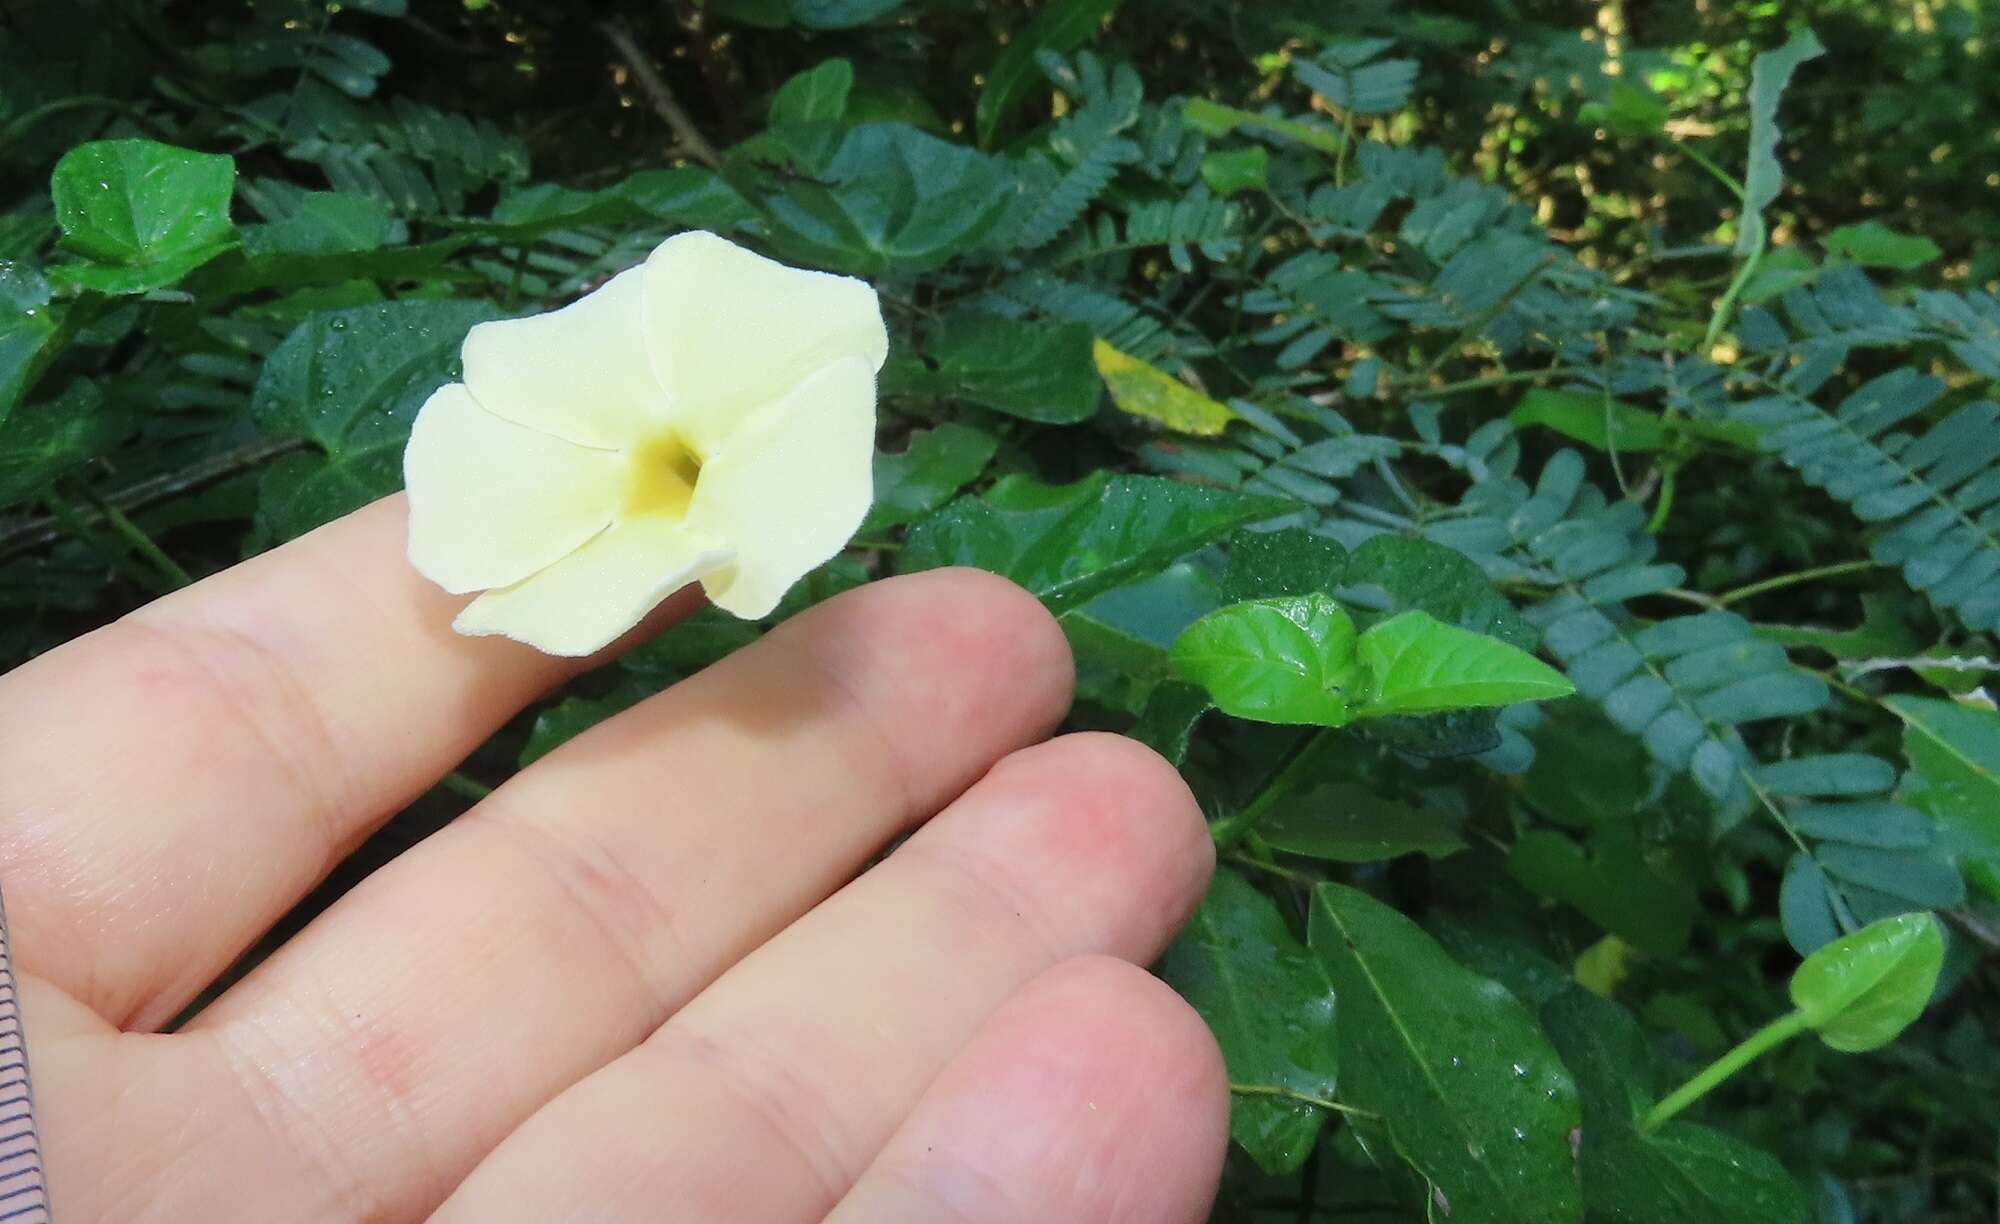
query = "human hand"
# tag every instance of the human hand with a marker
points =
(618, 988)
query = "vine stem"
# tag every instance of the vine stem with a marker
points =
(1415, 387)
(140, 542)
(1283, 1093)
(1230, 830)
(1784, 580)
(1760, 237)
(1772, 1035)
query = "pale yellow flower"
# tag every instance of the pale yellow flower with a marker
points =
(706, 416)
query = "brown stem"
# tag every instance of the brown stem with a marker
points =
(654, 86)
(25, 534)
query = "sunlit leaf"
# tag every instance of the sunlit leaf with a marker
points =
(1416, 664)
(1145, 391)
(1284, 660)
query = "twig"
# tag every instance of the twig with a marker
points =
(655, 88)
(26, 534)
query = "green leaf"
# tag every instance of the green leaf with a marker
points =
(1863, 989)
(1954, 753)
(1675, 1175)
(1061, 27)
(1350, 77)
(1284, 660)
(1769, 75)
(145, 213)
(1470, 1091)
(1145, 391)
(1272, 1011)
(556, 725)
(1612, 881)
(1419, 665)
(936, 464)
(1228, 171)
(1874, 245)
(840, 14)
(683, 196)
(26, 328)
(1423, 576)
(1071, 543)
(1036, 371)
(1631, 110)
(1167, 721)
(886, 198)
(1607, 424)
(817, 94)
(351, 381)
(1288, 561)
(42, 442)
(1346, 823)
(326, 223)
(1215, 119)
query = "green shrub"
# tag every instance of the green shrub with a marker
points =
(1447, 337)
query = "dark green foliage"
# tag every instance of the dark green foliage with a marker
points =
(1680, 376)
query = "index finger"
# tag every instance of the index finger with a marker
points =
(175, 781)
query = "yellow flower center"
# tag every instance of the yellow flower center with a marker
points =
(662, 476)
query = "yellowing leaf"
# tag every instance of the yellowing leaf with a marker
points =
(1143, 390)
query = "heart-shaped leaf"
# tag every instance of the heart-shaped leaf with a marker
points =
(1861, 990)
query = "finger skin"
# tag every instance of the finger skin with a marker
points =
(1094, 1096)
(768, 1095)
(176, 781)
(371, 1063)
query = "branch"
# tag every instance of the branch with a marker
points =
(655, 88)
(25, 534)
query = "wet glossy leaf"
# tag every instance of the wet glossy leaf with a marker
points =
(1675, 1175)
(1272, 1011)
(1288, 561)
(144, 213)
(26, 328)
(1144, 391)
(1423, 576)
(1863, 989)
(1284, 660)
(350, 382)
(1419, 665)
(44, 441)
(1469, 1089)
(1071, 543)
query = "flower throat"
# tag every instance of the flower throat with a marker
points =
(662, 476)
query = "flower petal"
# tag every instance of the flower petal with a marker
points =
(731, 331)
(492, 502)
(579, 373)
(789, 487)
(583, 602)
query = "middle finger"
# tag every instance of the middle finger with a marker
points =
(437, 1005)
